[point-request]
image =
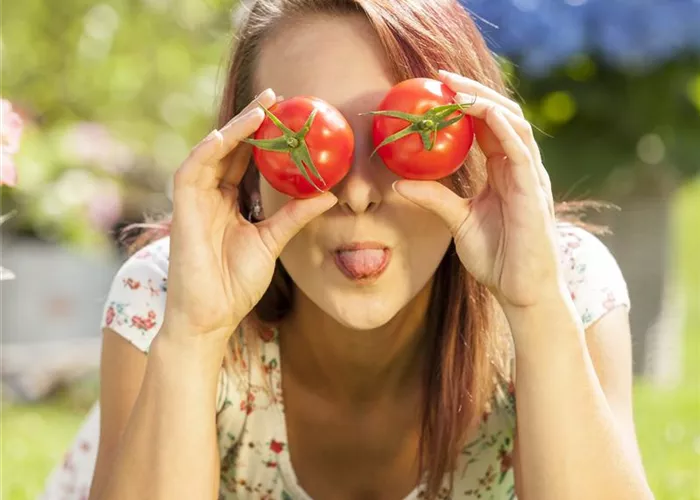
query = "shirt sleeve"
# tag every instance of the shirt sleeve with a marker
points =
(592, 273)
(135, 303)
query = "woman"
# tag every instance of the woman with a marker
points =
(274, 374)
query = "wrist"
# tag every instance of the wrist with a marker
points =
(186, 353)
(546, 319)
(550, 296)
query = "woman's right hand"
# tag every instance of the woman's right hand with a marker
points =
(220, 263)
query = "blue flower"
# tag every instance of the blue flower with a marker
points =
(542, 34)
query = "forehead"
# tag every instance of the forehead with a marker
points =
(336, 58)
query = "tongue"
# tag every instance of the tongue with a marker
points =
(361, 263)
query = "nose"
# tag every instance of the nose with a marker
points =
(359, 191)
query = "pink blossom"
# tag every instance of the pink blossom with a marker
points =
(10, 134)
(105, 206)
(91, 143)
(8, 174)
(11, 128)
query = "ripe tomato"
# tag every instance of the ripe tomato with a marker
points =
(419, 131)
(303, 147)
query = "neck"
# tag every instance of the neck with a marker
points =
(355, 366)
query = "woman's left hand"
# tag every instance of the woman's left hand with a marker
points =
(505, 235)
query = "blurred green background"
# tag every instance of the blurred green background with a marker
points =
(114, 94)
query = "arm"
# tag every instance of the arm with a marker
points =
(576, 436)
(573, 442)
(157, 410)
(158, 430)
(159, 436)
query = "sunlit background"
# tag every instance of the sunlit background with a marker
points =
(103, 100)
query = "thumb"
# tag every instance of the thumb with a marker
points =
(437, 198)
(281, 227)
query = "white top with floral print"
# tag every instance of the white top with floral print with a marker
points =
(255, 460)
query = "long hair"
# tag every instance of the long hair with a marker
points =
(469, 347)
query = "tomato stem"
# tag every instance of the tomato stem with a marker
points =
(426, 125)
(293, 143)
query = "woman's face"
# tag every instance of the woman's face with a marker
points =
(365, 259)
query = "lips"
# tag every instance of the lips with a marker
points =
(362, 261)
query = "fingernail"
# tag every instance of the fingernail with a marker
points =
(393, 186)
(253, 112)
(260, 95)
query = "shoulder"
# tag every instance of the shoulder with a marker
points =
(591, 271)
(135, 302)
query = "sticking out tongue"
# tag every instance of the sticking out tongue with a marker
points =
(359, 264)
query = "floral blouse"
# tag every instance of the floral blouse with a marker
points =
(255, 459)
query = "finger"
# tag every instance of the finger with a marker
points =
(194, 171)
(479, 107)
(503, 128)
(277, 230)
(234, 166)
(437, 198)
(522, 164)
(262, 98)
(459, 83)
(203, 168)
(546, 185)
(230, 131)
(236, 163)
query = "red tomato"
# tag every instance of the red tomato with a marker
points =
(286, 154)
(433, 145)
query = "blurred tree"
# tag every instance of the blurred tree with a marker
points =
(620, 132)
(614, 83)
(114, 93)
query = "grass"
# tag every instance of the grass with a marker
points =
(668, 421)
(34, 437)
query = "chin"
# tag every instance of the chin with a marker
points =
(362, 311)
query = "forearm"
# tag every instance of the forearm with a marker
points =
(570, 446)
(168, 449)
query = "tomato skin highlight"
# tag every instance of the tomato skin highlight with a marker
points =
(330, 141)
(408, 157)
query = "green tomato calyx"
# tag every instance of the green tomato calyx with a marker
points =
(293, 143)
(426, 125)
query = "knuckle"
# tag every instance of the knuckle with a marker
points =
(547, 182)
(527, 130)
(270, 241)
(192, 158)
(294, 214)
(490, 110)
(460, 228)
(181, 174)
